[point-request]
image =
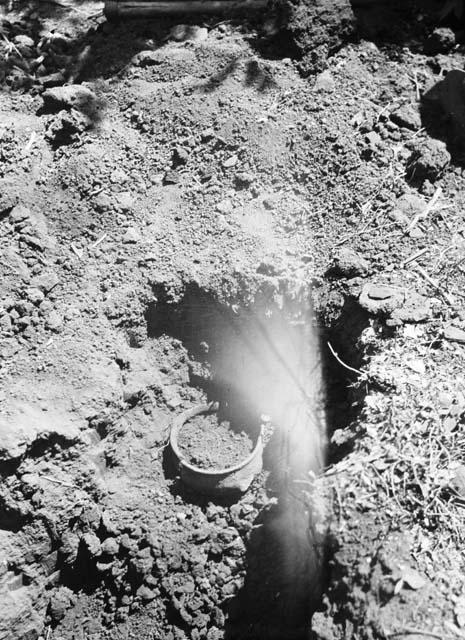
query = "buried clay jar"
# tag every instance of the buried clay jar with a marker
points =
(212, 458)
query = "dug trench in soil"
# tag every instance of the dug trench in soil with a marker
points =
(268, 354)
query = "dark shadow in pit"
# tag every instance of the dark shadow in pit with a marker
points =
(285, 577)
(442, 110)
(395, 24)
(11, 518)
(387, 21)
(341, 327)
(100, 52)
(287, 550)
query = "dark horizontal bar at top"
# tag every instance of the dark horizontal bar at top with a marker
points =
(134, 8)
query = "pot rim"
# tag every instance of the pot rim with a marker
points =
(182, 418)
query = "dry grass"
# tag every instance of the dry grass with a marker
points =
(413, 444)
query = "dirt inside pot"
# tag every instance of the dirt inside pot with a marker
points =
(143, 251)
(211, 444)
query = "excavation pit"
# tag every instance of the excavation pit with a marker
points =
(259, 354)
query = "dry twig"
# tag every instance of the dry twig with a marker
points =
(346, 366)
(415, 256)
(420, 632)
(97, 242)
(60, 482)
(426, 211)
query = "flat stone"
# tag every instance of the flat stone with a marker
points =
(171, 396)
(454, 334)
(244, 178)
(381, 299)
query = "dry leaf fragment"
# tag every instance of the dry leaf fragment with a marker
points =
(416, 365)
(449, 425)
(398, 587)
(458, 481)
(77, 251)
(414, 331)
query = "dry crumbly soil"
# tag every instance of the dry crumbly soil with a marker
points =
(184, 190)
(207, 443)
